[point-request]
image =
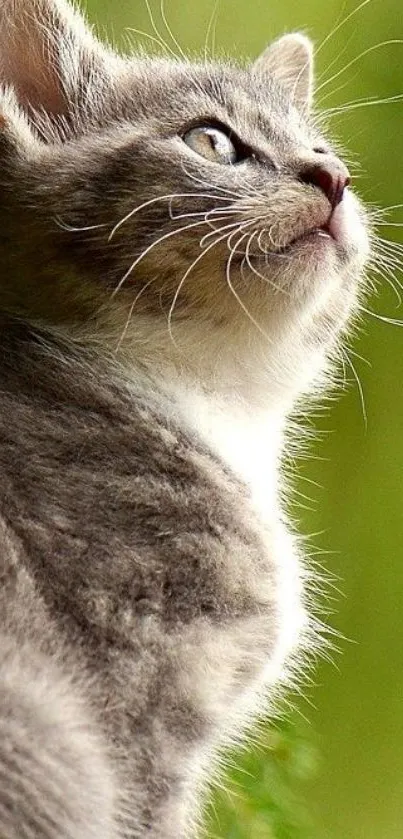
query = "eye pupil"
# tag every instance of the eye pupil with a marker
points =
(213, 140)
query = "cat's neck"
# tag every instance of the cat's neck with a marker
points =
(239, 421)
(248, 439)
(224, 388)
(221, 388)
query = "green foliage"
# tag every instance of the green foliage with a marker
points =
(260, 796)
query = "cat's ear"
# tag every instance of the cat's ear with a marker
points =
(290, 61)
(48, 56)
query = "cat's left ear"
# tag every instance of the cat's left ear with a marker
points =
(48, 56)
(289, 60)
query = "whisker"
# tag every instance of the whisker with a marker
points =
(389, 264)
(210, 215)
(341, 24)
(149, 37)
(228, 192)
(357, 58)
(240, 225)
(362, 103)
(335, 60)
(359, 385)
(131, 310)
(371, 284)
(386, 209)
(390, 223)
(150, 248)
(337, 89)
(377, 270)
(274, 253)
(382, 318)
(70, 229)
(389, 244)
(360, 357)
(389, 257)
(184, 278)
(390, 254)
(210, 31)
(170, 33)
(234, 292)
(151, 201)
(377, 239)
(267, 280)
(158, 33)
(387, 250)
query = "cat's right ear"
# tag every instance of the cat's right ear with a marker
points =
(289, 61)
(50, 62)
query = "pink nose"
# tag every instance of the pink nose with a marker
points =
(331, 176)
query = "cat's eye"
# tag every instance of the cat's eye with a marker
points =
(213, 144)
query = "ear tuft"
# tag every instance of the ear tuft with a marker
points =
(289, 60)
(16, 133)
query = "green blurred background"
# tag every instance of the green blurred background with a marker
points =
(334, 768)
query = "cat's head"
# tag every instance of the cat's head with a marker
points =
(168, 207)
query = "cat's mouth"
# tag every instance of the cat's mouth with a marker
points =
(313, 236)
(314, 239)
(331, 233)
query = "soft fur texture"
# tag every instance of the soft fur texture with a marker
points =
(161, 315)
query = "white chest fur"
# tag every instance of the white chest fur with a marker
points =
(250, 443)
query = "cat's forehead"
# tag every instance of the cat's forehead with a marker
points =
(177, 94)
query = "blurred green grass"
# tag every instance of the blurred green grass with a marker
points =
(261, 793)
(341, 775)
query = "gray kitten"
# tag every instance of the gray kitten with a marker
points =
(180, 253)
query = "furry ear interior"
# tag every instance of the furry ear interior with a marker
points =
(48, 56)
(290, 61)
